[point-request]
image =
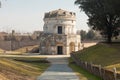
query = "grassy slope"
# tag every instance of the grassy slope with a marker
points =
(83, 74)
(1, 51)
(106, 55)
(23, 49)
(20, 50)
(22, 68)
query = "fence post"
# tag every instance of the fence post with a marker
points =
(91, 65)
(100, 70)
(85, 64)
(104, 74)
(115, 73)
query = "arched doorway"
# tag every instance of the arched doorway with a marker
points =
(72, 47)
(59, 50)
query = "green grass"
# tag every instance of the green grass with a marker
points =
(23, 68)
(107, 55)
(83, 74)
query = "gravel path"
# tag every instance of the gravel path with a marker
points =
(59, 70)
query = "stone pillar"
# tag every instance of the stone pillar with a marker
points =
(72, 30)
(64, 50)
(67, 50)
(76, 45)
(68, 30)
(63, 29)
(115, 73)
(76, 48)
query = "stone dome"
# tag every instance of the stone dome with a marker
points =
(59, 13)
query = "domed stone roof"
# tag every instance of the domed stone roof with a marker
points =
(59, 13)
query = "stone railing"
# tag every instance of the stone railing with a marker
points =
(97, 69)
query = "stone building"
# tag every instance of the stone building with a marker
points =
(59, 34)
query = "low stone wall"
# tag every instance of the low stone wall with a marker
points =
(89, 44)
(8, 45)
(97, 69)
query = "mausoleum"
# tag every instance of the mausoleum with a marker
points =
(59, 34)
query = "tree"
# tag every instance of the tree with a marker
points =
(90, 35)
(0, 4)
(83, 34)
(104, 16)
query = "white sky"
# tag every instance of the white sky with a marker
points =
(27, 15)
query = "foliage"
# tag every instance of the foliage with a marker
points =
(0, 4)
(90, 34)
(104, 16)
(83, 34)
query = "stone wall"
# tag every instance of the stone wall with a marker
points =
(8, 45)
(5, 45)
(86, 44)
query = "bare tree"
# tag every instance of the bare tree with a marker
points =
(0, 4)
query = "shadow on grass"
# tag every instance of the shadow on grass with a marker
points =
(33, 61)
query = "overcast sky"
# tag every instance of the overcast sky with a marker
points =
(27, 15)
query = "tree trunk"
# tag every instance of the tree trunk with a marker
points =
(109, 38)
(109, 29)
(109, 33)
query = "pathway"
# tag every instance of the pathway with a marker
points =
(59, 70)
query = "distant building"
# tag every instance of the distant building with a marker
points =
(59, 35)
(36, 34)
(2, 35)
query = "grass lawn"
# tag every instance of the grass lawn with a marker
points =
(107, 55)
(83, 74)
(22, 68)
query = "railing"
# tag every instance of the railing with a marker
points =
(97, 69)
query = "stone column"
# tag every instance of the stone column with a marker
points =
(67, 50)
(76, 48)
(72, 32)
(76, 45)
